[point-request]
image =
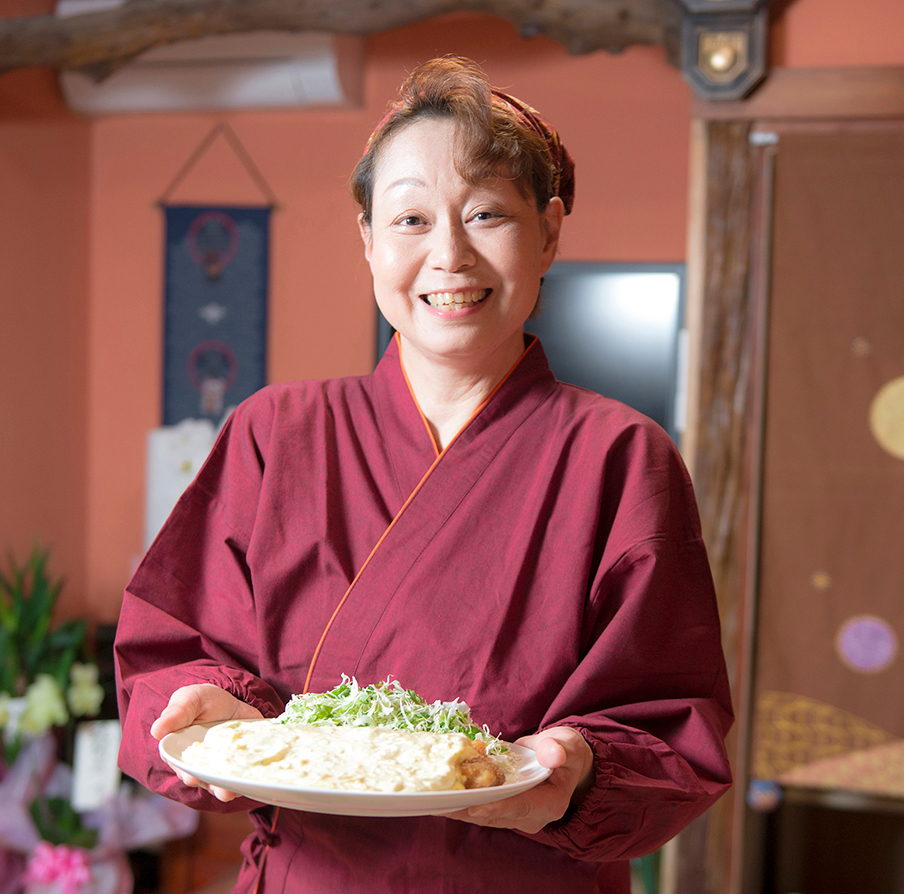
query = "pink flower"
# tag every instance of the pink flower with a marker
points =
(67, 866)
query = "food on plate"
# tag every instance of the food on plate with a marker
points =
(387, 704)
(351, 758)
(377, 738)
(480, 770)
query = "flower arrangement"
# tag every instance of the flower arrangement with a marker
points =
(47, 682)
(44, 679)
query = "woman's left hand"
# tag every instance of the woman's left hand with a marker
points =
(567, 753)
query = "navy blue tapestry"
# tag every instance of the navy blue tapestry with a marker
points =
(215, 309)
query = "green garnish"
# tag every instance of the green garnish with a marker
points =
(386, 704)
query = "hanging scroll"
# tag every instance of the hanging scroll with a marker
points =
(215, 318)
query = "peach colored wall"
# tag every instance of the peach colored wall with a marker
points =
(44, 192)
(827, 33)
(632, 187)
(85, 323)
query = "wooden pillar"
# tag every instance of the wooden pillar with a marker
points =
(722, 320)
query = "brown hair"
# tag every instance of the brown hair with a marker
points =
(493, 136)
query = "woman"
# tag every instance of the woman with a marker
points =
(460, 521)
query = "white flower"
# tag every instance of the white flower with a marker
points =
(45, 706)
(85, 694)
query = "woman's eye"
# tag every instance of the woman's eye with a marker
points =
(411, 220)
(485, 215)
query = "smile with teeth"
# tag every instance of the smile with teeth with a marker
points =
(455, 300)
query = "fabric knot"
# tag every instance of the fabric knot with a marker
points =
(270, 839)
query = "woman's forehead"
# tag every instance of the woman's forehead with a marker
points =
(424, 154)
(419, 143)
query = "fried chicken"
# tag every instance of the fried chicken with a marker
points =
(480, 771)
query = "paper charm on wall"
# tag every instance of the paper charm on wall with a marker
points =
(215, 320)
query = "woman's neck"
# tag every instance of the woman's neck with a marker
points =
(449, 393)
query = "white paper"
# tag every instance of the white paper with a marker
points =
(175, 455)
(95, 776)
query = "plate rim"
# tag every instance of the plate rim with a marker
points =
(340, 800)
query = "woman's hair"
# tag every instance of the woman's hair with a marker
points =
(496, 134)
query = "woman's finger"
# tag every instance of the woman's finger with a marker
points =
(567, 754)
(551, 753)
(220, 794)
(200, 703)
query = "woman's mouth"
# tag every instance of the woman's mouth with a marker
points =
(455, 300)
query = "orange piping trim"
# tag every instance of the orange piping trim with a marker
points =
(398, 515)
(329, 623)
(411, 496)
(260, 868)
(436, 448)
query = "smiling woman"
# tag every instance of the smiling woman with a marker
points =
(461, 213)
(460, 521)
(456, 269)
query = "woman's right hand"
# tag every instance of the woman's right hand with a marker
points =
(201, 703)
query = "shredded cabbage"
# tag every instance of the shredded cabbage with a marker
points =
(386, 704)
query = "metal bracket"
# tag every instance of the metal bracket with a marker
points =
(724, 46)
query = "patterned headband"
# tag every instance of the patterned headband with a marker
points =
(563, 163)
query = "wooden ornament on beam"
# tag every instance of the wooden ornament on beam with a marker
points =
(724, 46)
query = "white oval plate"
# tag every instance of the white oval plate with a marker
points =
(350, 803)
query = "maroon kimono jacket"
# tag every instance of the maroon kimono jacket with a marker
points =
(547, 568)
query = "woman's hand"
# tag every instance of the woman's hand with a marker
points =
(201, 703)
(569, 756)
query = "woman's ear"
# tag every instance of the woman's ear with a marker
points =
(552, 225)
(364, 230)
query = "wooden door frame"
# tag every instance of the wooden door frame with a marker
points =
(727, 301)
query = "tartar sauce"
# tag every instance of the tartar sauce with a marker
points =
(351, 758)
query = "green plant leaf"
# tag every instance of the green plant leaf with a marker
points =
(57, 822)
(7, 614)
(29, 644)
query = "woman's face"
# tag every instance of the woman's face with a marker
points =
(456, 267)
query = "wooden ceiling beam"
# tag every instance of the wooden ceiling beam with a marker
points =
(99, 43)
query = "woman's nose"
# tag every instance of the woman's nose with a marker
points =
(451, 249)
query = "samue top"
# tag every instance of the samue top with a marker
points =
(547, 568)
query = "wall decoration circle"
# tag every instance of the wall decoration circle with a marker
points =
(212, 370)
(866, 644)
(213, 240)
(886, 417)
